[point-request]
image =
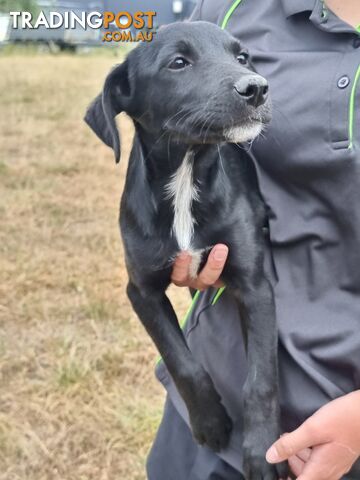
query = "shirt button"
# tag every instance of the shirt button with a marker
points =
(324, 16)
(343, 82)
(356, 42)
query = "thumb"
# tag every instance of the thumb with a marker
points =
(290, 444)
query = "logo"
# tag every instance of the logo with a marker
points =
(116, 27)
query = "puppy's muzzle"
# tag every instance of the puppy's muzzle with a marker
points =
(254, 89)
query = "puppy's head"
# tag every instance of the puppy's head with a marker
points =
(194, 81)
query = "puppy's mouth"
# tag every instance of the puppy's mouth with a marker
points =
(220, 127)
(234, 133)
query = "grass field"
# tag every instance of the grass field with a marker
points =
(78, 398)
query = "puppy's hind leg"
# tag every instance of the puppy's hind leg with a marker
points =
(210, 422)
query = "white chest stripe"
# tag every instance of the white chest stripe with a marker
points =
(183, 192)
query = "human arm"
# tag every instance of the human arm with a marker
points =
(326, 445)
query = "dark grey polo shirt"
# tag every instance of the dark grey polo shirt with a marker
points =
(309, 170)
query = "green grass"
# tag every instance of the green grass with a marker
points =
(70, 375)
(79, 400)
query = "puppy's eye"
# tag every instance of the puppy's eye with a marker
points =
(179, 63)
(243, 58)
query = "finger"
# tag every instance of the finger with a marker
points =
(195, 284)
(213, 267)
(315, 471)
(217, 284)
(305, 454)
(329, 461)
(289, 445)
(180, 273)
(296, 465)
(326, 463)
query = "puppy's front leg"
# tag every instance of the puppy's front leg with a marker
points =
(261, 404)
(210, 422)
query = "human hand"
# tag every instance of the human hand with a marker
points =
(326, 445)
(209, 275)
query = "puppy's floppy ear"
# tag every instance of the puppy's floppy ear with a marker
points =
(101, 114)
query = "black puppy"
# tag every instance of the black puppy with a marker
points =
(192, 94)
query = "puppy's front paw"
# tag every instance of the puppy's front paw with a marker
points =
(212, 426)
(256, 467)
(254, 463)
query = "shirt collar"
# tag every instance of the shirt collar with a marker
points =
(292, 7)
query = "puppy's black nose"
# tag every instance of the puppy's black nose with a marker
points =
(253, 88)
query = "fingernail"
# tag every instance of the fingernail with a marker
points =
(220, 254)
(272, 455)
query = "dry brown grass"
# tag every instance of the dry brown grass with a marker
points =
(78, 398)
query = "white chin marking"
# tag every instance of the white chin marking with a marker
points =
(242, 134)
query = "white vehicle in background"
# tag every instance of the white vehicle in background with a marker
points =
(4, 28)
(167, 11)
(60, 38)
